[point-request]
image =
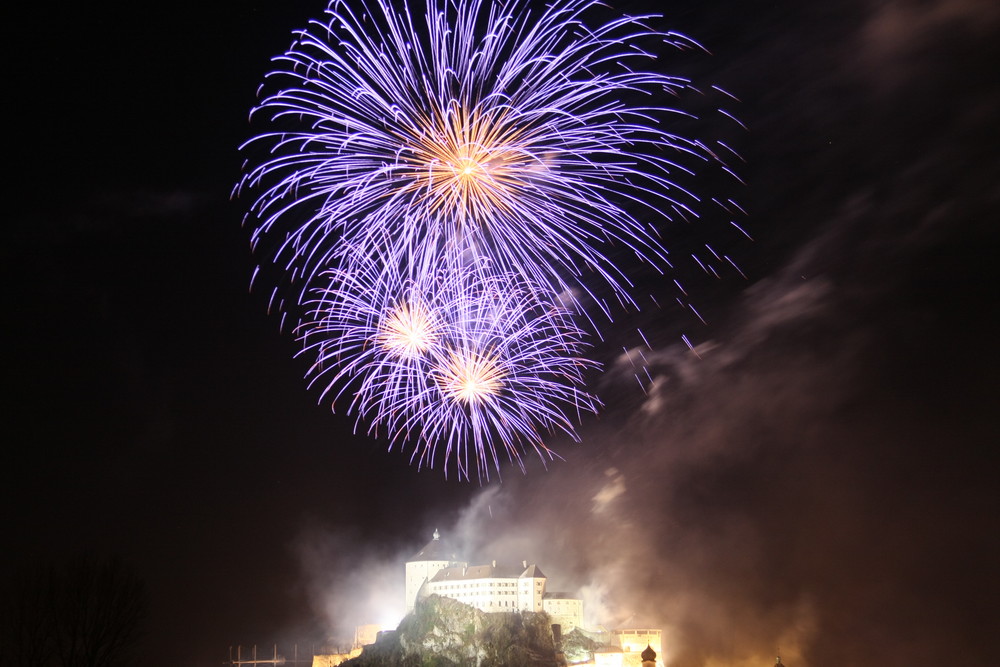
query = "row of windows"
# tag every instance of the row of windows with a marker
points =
(484, 584)
(473, 595)
(492, 603)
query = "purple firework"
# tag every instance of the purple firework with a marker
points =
(475, 127)
(468, 366)
(440, 187)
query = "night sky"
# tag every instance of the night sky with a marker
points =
(814, 480)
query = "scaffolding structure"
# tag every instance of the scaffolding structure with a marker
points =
(251, 660)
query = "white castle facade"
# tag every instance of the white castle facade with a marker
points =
(490, 588)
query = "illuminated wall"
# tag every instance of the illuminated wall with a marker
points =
(424, 566)
(565, 610)
(418, 573)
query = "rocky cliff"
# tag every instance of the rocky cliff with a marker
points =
(442, 632)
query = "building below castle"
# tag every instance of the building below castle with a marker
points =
(634, 640)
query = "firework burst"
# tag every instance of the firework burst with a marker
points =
(440, 190)
(477, 127)
(495, 367)
(408, 331)
(469, 377)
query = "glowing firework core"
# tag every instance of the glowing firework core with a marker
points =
(466, 166)
(407, 332)
(470, 378)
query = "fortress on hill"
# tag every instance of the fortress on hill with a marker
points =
(505, 587)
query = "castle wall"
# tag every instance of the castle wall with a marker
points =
(417, 573)
(567, 612)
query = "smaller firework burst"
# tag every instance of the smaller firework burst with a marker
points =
(408, 331)
(465, 367)
(469, 377)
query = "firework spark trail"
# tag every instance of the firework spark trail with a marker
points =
(457, 355)
(486, 128)
(374, 325)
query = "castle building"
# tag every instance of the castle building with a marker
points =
(435, 570)
(491, 588)
(634, 640)
(501, 587)
(640, 645)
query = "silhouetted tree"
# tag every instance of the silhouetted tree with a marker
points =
(87, 614)
(26, 639)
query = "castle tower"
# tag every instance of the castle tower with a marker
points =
(530, 588)
(422, 566)
(648, 657)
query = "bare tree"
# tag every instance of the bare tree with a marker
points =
(27, 621)
(87, 614)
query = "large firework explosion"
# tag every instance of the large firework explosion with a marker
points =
(479, 125)
(419, 160)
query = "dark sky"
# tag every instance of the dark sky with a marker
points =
(816, 481)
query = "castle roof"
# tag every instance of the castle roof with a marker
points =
(533, 572)
(474, 572)
(491, 571)
(558, 595)
(436, 549)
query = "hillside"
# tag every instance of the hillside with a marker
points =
(442, 632)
